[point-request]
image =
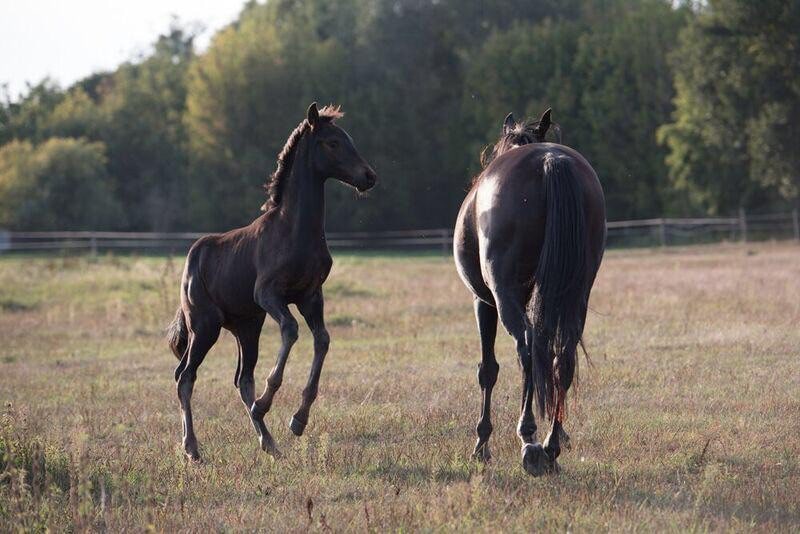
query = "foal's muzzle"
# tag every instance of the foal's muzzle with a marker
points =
(368, 181)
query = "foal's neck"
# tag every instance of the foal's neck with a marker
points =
(303, 202)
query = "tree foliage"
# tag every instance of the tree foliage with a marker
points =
(60, 183)
(682, 108)
(733, 140)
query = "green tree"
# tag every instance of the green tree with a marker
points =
(76, 115)
(142, 107)
(28, 117)
(626, 90)
(137, 112)
(733, 138)
(251, 88)
(61, 184)
(605, 75)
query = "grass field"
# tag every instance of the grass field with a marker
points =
(687, 418)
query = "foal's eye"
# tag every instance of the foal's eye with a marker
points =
(333, 144)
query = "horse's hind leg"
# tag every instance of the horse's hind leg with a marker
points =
(202, 336)
(486, 316)
(511, 306)
(247, 335)
(565, 373)
(557, 436)
(553, 441)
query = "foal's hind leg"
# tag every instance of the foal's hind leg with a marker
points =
(486, 316)
(247, 335)
(203, 334)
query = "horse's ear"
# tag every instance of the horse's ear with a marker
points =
(313, 114)
(508, 124)
(544, 124)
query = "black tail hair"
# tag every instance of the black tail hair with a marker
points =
(560, 289)
(178, 334)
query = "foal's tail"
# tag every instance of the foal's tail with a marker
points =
(561, 287)
(178, 334)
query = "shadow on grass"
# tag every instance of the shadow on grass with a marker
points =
(15, 306)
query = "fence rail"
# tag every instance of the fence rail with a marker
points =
(643, 232)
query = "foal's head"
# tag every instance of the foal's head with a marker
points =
(517, 134)
(330, 152)
(333, 153)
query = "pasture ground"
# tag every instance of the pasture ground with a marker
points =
(687, 419)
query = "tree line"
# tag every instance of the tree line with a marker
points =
(683, 108)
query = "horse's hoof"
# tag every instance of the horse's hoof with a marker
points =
(534, 459)
(563, 437)
(551, 448)
(190, 449)
(553, 468)
(297, 427)
(481, 453)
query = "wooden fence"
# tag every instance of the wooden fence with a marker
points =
(645, 232)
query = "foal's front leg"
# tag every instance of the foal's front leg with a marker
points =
(312, 310)
(277, 307)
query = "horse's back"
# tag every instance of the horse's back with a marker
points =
(515, 181)
(501, 225)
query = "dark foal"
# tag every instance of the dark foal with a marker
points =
(233, 280)
(531, 234)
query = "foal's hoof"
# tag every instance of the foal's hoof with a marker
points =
(535, 460)
(297, 426)
(268, 446)
(481, 453)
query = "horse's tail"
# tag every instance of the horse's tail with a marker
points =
(560, 287)
(178, 334)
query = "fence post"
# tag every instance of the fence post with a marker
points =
(445, 242)
(5, 240)
(662, 232)
(743, 224)
(93, 245)
(796, 224)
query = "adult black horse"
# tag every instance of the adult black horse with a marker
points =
(233, 280)
(531, 234)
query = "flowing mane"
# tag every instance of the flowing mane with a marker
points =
(523, 133)
(275, 182)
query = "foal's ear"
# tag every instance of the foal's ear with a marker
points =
(509, 123)
(544, 124)
(313, 114)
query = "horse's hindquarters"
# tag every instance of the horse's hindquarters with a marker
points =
(466, 250)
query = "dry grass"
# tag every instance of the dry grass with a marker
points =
(687, 419)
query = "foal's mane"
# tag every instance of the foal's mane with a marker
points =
(276, 181)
